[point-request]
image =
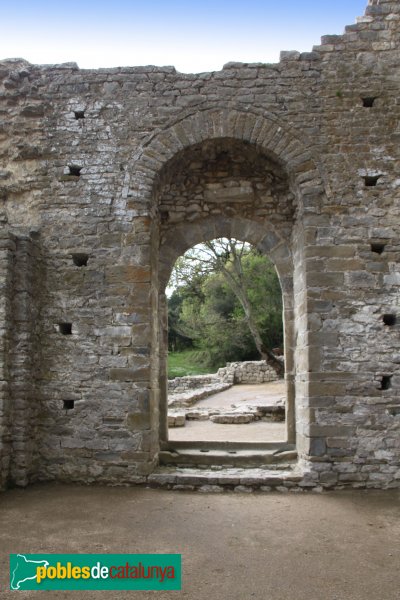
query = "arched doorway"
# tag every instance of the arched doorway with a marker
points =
(277, 214)
(226, 187)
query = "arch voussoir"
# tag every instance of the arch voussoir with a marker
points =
(212, 123)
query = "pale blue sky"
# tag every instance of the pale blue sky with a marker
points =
(193, 36)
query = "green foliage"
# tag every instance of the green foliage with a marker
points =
(177, 340)
(188, 362)
(206, 313)
(265, 296)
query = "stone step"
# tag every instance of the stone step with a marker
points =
(250, 457)
(237, 479)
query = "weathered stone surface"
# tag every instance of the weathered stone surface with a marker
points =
(248, 372)
(132, 166)
(230, 418)
(176, 419)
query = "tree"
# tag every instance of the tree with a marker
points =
(254, 294)
(178, 340)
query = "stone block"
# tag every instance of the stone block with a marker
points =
(125, 374)
(138, 421)
(232, 418)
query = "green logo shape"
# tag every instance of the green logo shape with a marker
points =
(95, 571)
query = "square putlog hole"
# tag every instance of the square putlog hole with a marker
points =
(377, 247)
(389, 320)
(80, 259)
(79, 114)
(368, 101)
(74, 170)
(386, 382)
(69, 404)
(65, 328)
(371, 180)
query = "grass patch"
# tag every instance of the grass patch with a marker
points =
(187, 363)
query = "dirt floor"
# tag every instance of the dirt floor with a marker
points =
(333, 546)
(260, 431)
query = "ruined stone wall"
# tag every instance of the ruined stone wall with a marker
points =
(20, 351)
(112, 173)
(249, 371)
(7, 249)
(191, 382)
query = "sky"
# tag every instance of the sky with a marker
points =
(194, 36)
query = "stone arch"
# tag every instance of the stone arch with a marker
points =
(274, 140)
(180, 238)
(264, 131)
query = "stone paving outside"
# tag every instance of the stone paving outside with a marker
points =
(259, 431)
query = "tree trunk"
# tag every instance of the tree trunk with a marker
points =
(238, 287)
(276, 363)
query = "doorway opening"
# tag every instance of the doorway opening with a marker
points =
(225, 346)
(232, 189)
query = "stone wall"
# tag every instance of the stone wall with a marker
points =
(107, 176)
(25, 362)
(7, 251)
(256, 371)
(185, 391)
(20, 278)
(191, 382)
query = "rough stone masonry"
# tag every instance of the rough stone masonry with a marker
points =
(107, 176)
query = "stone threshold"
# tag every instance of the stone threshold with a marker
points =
(228, 456)
(232, 479)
